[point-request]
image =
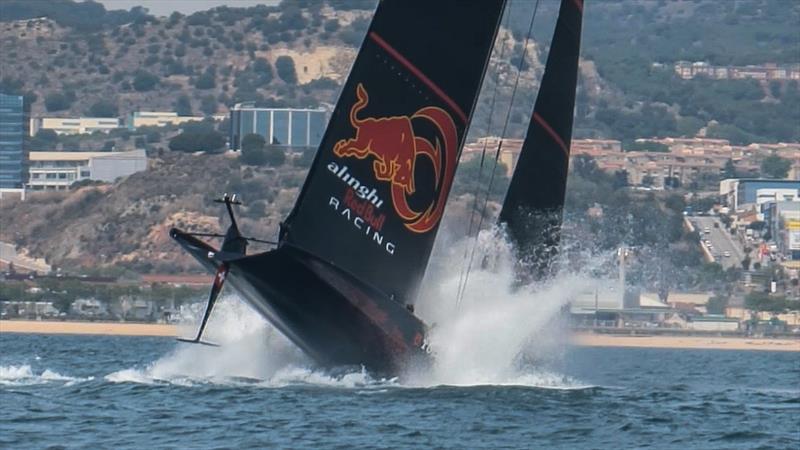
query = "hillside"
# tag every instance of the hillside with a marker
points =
(126, 224)
(127, 61)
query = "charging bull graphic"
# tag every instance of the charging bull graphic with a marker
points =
(394, 145)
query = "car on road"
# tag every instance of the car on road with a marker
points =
(726, 254)
(707, 230)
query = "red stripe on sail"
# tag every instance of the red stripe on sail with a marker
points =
(579, 4)
(551, 132)
(413, 69)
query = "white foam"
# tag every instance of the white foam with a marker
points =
(251, 351)
(24, 375)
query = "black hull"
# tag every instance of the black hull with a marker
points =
(327, 313)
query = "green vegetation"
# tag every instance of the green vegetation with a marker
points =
(286, 71)
(104, 108)
(145, 81)
(472, 179)
(198, 137)
(274, 155)
(773, 166)
(628, 90)
(761, 301)
(183, 105)
(58, 101)
(253, 150)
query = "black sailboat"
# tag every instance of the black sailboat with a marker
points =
(343, 278)
(533, 208)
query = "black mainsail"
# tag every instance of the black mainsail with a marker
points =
(354, 249)
(372, 202)
(532, 210)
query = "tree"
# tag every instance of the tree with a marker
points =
(207, 80)
(44, 139)
(144, 81)
(104, 108)
(253, 150)
(57, 101)
(773, 166)
(275, 156)
(195, 140)
(620, 179)
(729, 170)
(717, 304)
(253, 141)
(286, 71)
(262, 70)
(183, 105)
(208, 105)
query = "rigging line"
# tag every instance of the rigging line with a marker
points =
(483, 153)
(497, 153)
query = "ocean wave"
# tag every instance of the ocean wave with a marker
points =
(24, 375)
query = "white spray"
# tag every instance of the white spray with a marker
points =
(496, 335)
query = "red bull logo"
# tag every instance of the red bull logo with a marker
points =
(395, 147)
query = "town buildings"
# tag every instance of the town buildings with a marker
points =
(12, 156)
(688, 70)
(278, 126)
(58, 170)
(700, 161)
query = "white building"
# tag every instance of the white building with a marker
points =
(75, 125)
(58, 170)
(158, 119)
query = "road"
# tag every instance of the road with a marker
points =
(721, 241)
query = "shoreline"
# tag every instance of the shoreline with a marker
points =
(580, 339)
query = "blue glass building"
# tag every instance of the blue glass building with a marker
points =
(279, 126)
(12, 157)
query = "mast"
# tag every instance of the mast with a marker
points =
(377, 188)
(533, 207)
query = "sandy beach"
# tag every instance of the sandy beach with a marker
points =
(104, 328)
(581, 339)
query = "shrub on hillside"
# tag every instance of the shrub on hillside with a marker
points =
(104, 108)
(199, 139)
(275, 155)
(284, 65)
(144, 81)
(57, 101)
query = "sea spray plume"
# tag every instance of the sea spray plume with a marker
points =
(498, 327)
(251, 351)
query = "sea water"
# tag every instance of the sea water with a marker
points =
(258, 391)
(504, 376)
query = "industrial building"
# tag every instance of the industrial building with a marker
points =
(738, 194)
(51, 171)
(278, 126)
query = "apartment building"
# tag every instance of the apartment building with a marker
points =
(53, 171)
